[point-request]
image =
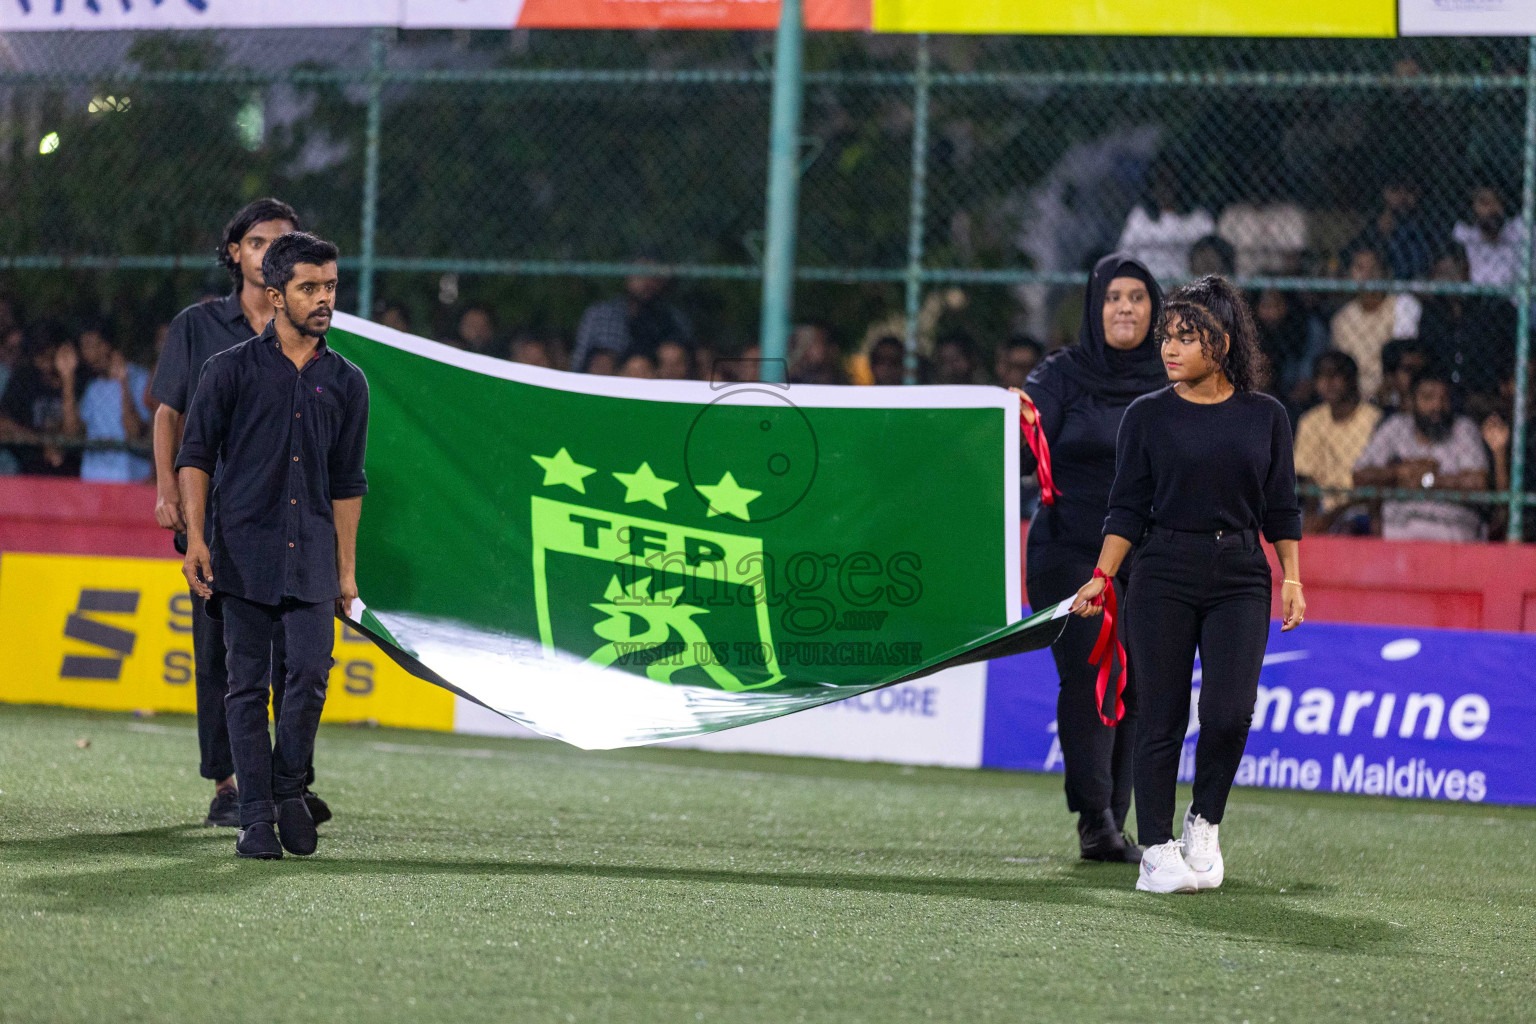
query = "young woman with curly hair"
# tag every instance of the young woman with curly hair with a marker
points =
(1202, 469)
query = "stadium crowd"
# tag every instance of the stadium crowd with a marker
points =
(1384, 388)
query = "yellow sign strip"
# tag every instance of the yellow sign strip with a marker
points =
(1298, 18)
(116, 634)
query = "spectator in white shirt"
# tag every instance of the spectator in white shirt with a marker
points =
(1427, 448)
(1492, 240)
(1269, 239)
(1371, 319)
(1161, 232)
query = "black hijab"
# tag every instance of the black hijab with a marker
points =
(1092, 363)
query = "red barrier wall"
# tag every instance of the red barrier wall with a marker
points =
(1415, 583)
(1418, 583)
(66, 516)
(1348, 579)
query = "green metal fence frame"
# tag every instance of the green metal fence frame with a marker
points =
(1523, 302)
(787, 80)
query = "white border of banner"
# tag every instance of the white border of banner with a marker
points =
(810, 396)
(1466, 18)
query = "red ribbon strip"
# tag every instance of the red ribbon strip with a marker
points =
(1104, 655)
(1035, 438)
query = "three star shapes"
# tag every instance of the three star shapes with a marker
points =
(725, 498)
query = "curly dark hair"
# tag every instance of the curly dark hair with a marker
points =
(241, 223)
(1214, 308)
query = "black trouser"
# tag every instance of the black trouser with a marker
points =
(269, 774)
(1209, 591)
(212, 685)
(1097, 757)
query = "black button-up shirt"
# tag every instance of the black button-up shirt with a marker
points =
(197, 332)
(290, 442)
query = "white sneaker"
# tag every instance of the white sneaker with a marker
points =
(1163, 869)
(1202, 850)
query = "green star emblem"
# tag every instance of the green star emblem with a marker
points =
(560, 468)
(645, 485)
(728, 497)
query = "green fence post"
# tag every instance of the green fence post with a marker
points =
(1520, 425)
(917, 212)
(783, 192)
(377, 52)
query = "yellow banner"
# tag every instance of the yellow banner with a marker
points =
(1142, 17)
(116, 634)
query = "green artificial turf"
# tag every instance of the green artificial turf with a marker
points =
(469, 879)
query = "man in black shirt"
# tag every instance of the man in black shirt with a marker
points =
(285, 419)
(198, 332)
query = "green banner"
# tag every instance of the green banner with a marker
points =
(614, 562)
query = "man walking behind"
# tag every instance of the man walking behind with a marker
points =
(287, 419)
(198, 332)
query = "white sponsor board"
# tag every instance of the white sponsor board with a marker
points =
(74, 15)
(460, 13)
(937, 720)
(24, 15)
(1466, 17)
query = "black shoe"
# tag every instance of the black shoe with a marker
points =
(224, 811)
(1099, 839)
(296, 828)
(318, 809)
(1132, 851)
(258, 842)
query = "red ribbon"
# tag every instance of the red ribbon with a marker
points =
(1104, 655)
(1035, 438)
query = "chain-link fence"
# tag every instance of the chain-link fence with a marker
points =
(1375, 195)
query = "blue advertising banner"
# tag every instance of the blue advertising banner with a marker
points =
(1402, 711)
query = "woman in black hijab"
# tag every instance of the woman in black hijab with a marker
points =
(1079, 396)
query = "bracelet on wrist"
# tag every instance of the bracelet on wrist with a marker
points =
(1294, 583)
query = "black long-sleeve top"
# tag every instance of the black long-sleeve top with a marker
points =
(287, 442)
(1080, 428)
(1203, 468)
